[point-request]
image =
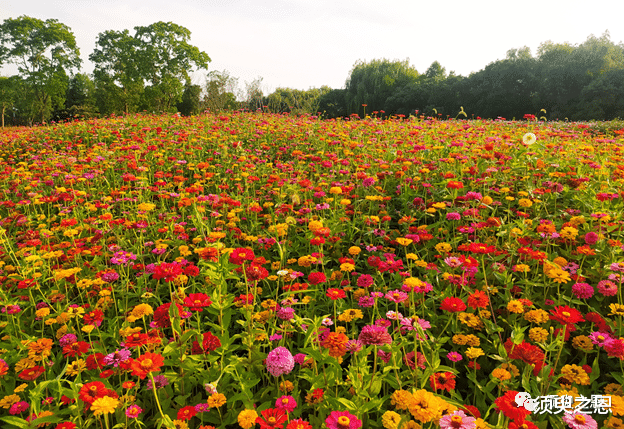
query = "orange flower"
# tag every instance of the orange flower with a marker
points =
(149, 362)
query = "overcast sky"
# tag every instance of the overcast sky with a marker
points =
(309, 43)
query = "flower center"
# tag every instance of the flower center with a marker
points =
(566, 314)
(343, 422)
(271, 420)
(146, 363)
(456, 422)
(601, 338)
(580, 419)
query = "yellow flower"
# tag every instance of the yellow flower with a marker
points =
(616, 310)
(501, 374)
(617, 405)
(515, 306)
(537, 316)
(9, 400)
(474, 352)
(347, 267)
(539, 335)
(401, 399)
(443, 247)
(525, 202)
(350, 315)
(104, 405)
(142, 310)
(558, 275)
(146, 207)
(76, 367)
(575, 374)
(582, 342)
(404, 241)
(569, 233)
(390, 420)
(354, 250)
(424, 406)
(335, 190)
(470, 320)
(247, 418)
(20, 388)
(473, 340)
(216, 400)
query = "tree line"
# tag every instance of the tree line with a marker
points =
(149, 70)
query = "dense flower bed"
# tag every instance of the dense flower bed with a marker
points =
(289, 272)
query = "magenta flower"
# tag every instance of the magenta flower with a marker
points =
(454, 356)
(365, 280)
(375, 335)
(396, 296)
(286, 403)
(582, 290)
(342, 420)
(280, 361)
(133, 411)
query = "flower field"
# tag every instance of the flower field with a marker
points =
(268, 271)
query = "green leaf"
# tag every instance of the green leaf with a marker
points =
(15, 421)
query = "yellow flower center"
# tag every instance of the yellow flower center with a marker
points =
(579, 418)
(566, 314)
(343, 422)
(147, 363)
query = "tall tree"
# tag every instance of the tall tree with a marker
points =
(118, 80)
(9, 90)
(220, 91)
(44, 52)
(80, 98)
(373, 82)
(165, 59)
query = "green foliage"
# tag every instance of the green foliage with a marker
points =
(44, 52)
(80, 98)
(373, 82)
(296, 101)
(220, 91)
(190, 100)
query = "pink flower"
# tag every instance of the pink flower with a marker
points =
(133, 411)
(582, 290)
(591, 238)
(286, 403)
(577, 420)
(376, 335)
(454, 356)
(396, 296)
(607, 288)
(457, 420)
(280, 361)
(342, 420)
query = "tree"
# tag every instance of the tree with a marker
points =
(9, 90)
(164, 61)
(80, 99)
(333, 104)
(254, 97)
(118, 80)
(190, 100)
(372, 83)
(44, 52)
(220, 91)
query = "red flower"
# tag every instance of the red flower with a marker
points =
(89, 392)
(597, 320)
(522, 425)
(191, 270)
(187, 413)
(167, 271)
(31, 374)
(452, 305)
(527, 353)
(66, 425)
(298, 424)
(566, 315)
(442, 381)
(95, 361)
(149, 362)
(240, 255)
(272, 418)
(209, 344)
(478, 299)
(256, 272)
(507, 405)
(335, 294)
(196, 301)
(472, 411)
(76, 349)
(316, 278)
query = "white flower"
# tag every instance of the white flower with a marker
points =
(282, 273)
(529, 138)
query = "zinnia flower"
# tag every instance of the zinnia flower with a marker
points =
(272, 418)
(247, 418)
(104, 405)
(577, 420)
(507, 405)
(342, 420)
(457, 420)
(375, 335)
(280, 361)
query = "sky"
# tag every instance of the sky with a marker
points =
(304, 44)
